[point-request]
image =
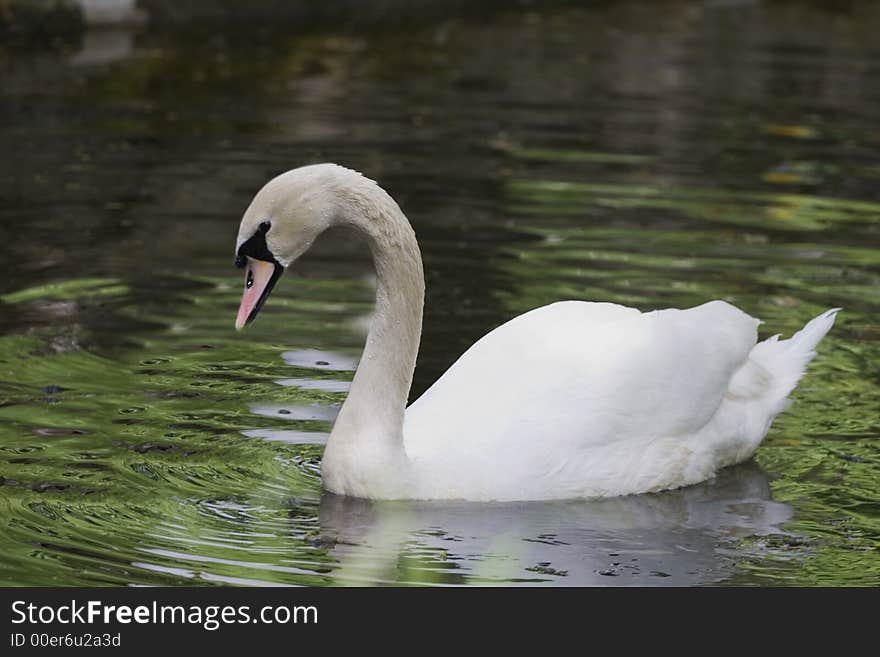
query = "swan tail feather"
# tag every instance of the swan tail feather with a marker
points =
(775, 366)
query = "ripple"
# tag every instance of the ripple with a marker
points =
(325, 385)
(320, 360)
(319, 412)
(249, 565)
(289, 436)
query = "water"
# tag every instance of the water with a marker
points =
(648, 155)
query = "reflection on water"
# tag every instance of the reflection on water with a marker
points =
(631, 153)
(683, 537)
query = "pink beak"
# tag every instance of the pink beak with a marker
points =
(260, 278)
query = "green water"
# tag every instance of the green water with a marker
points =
(643, 154)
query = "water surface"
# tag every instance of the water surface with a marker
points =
(646, 155)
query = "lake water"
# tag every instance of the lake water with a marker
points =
(650, 154)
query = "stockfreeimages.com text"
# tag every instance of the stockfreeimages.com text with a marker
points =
(210, 617)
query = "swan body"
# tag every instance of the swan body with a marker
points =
(571, 400)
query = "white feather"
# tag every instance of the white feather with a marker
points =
(582, 399)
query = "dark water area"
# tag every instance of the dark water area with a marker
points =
(649, 154)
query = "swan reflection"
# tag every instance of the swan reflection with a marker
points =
(678, 537)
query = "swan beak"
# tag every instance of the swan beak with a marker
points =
(259, 279)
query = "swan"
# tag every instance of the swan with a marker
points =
(571, 400)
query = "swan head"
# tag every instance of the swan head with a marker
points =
(281, 223)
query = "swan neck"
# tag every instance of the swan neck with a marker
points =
(369, 429)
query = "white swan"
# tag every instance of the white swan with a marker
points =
(575, 399)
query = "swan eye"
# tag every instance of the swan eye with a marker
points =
(255, 246)
(249, 283)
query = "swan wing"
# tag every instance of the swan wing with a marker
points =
(574, 376)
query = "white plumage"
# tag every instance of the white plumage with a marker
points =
(571, 400)
(580, 399)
